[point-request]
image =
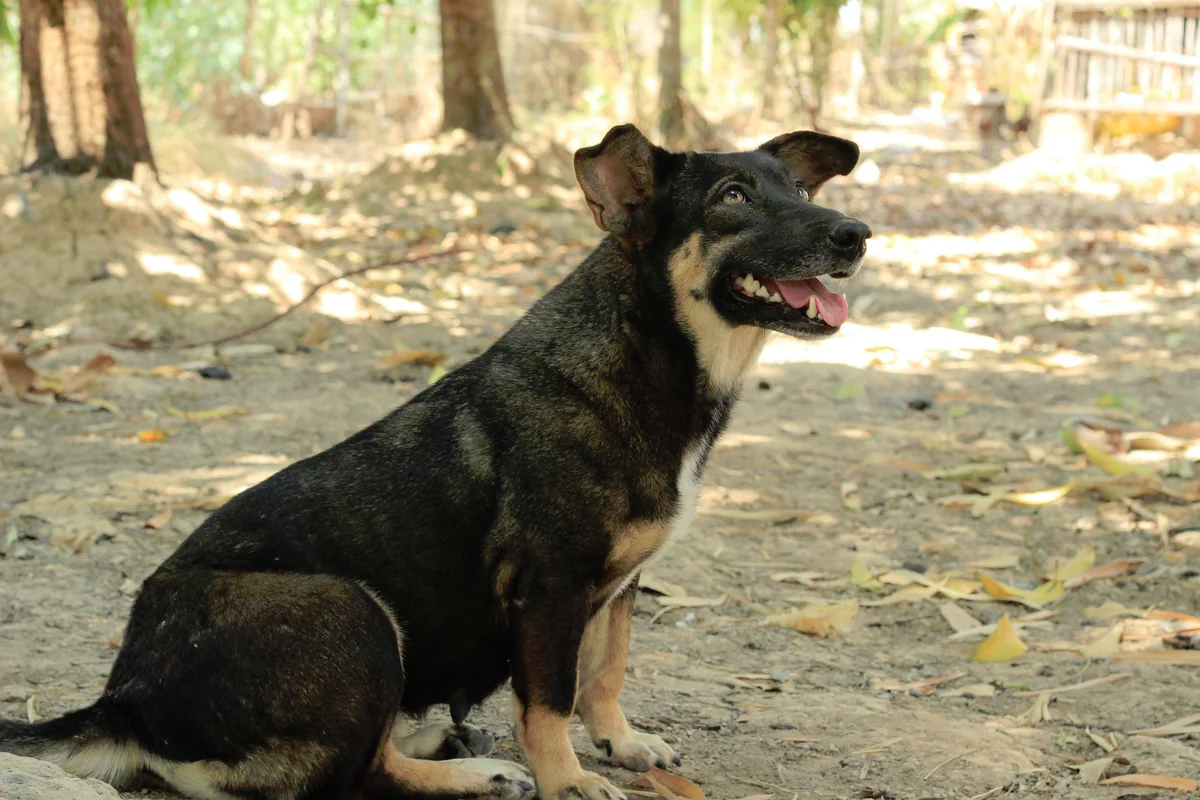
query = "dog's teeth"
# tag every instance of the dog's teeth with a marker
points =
(812, 307)
(762, 292)
(775, 298)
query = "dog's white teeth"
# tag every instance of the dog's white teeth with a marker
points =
(762, 292)
(812, 308)
(775, 298)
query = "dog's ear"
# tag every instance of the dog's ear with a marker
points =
(618, 179)
(813, 157)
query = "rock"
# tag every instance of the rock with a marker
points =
(30, 779)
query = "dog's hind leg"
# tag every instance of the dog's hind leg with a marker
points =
(601, 674)
(394, 776)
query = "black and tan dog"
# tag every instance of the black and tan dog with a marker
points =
(492, 527)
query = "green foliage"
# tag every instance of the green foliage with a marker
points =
(8, 25)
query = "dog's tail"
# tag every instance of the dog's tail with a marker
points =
(89, 743)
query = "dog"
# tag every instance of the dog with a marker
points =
(491, 528)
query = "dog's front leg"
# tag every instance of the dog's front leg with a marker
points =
(547, 634)
(601, 674)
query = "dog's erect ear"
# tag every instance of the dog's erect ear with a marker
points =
(814, 157)
(618, 180)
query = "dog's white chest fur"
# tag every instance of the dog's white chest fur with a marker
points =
(687, 484)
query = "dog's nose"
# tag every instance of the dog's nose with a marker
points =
(848, 236)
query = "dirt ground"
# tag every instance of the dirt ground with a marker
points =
(1003, 296)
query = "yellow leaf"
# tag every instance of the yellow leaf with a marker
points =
(317, 333)
(1083, 561)
(423, 358)
(863, 579)
(959, 620)
(819, 619)
(436, 374)
(1109, 610)
(1034, 598)
(1106, 645)
(1091, 442)
(1003, 645)
(152, 435)
(220, 412)
(1041, 497)
(1152, 782)
(163, 300)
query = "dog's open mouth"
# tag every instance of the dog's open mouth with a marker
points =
(807, 302)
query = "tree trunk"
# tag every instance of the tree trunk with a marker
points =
(247, 41)
(294, 122)
(81, 107)
(343, 83)
(670, 77)
(473, 91)
(771, 24)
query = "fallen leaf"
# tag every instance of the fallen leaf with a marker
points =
(162, 299)
(685, 601)
(1093, 771)
(220, 412)
(19, 376)
(85, 376)
(819, 619)
(159, 520)
(1116, 569)
(1077, 687)
(1152, 782)
(1040, 710)
(775, 516)
(907, 594)
(1109, 610)
(1106, 645)
(863, 579)
(1000, 561)
(1034, 598)
(1003, 645)
(1079, 564)
(970, 690)
(152, 435)
(922, 686)
(850, 498)
(959, 619)
(1183, 657)
(1183, 725)
(1104, 744)
(1093, 445)
(656, 585)
(967, 472)
(421, 358)
(1182, 430)
(802, 578)
(673, 787)
(317, 333)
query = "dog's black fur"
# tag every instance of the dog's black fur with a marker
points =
(492, 527)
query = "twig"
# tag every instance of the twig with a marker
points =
(1076, 687)
(987, 794)
(764, 784)
(929, 774)
(272, 320)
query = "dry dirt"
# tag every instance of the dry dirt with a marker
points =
(993, 308)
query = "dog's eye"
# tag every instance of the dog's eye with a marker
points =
(803, 192)
(734, 197)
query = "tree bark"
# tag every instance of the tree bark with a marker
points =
(670, 77)
(771, 23)
(473, 90)
(81, 108)
(343, 83)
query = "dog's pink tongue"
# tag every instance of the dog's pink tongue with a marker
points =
(832, 306)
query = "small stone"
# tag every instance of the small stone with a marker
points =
(764, 385)
(216, 373)
(781, 725)
(920, 404)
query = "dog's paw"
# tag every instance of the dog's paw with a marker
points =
(506, 780)
(639, 752)
(585, 786)
(446, 741)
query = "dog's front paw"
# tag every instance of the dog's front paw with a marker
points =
(639, 752)
(507, 781)
(585, 786)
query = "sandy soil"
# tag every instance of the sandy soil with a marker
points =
(991, 311)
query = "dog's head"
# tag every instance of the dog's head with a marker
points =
(744, 227)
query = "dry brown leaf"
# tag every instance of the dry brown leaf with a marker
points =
(1040, 710)
(1116, 569)
(1076, 687)
(819, 619)
(422, 358)
(970, 690)
(1176, 727)
(317, 333)
(802, 578)
(998, 561)
(959, 619)
(1104, 744)
(1182, 430)
(656, 585)
(673, 787)
(220, 412)
(152, 435)
(922, 686)
(160, 520)
(1152, 782)
(20, 377)
(1003, 645)
(85, 376)
(850, 498)
(690, 602)
(1182, 657)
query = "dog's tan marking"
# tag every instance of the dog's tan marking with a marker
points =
(726, 352)
(602, 656)
(460, 777)
(505, 571)
(543, 736)
(631, 548)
